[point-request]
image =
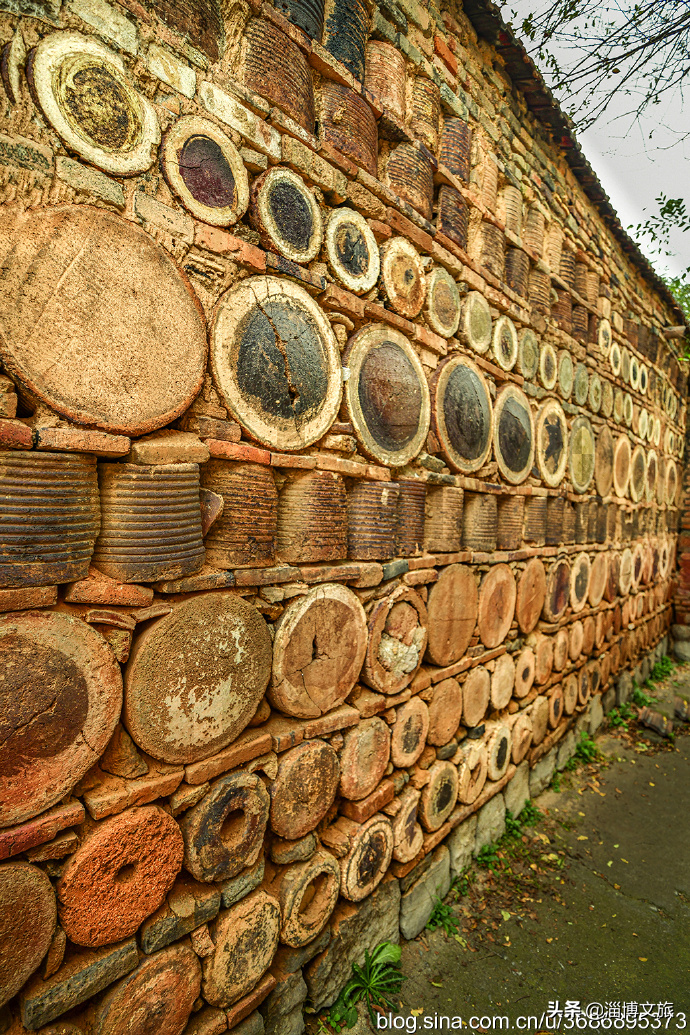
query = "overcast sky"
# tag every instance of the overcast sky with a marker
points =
(635, 169)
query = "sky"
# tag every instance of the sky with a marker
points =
(634, 169)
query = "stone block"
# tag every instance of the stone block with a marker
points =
(285, 852)
(680, 632)
(171, 71)
(417, 904)
(169, 447)
(645, 669)
(460, 844)
(208, 1021)
(264, 138)
(108, 22)
(623, 687)
(491, 823)
(252, 1025)
(596, 715)
(189, 905)
(516, 793)
(26, 597)
(233, 890)
(82, 976)
(356, 927)
(565, 750)
(608, 699)
(90, 180)
(284, 1001)
(174, 222)
(14, 434)
(288, 960)
(542, 774)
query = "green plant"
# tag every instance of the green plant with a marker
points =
(556, 782)
(572, 764)
(662, 669)
(442, 915)
(617, 719)
(375, 982)
(461, 884)
(513, 825)
(639, 698)
(586, 749)
(530, 815)
(488, 857)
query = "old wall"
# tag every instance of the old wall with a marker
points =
(339, 470)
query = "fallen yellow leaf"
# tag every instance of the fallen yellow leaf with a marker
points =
(652, 784)
(437, 984)
(642, 959)
(582, 837)
(416, 1013)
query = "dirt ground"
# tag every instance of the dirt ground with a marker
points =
(590, 905)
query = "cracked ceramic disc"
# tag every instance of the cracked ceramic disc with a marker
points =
(276, 362)
(513, 434)
(60, 698)
(352, 250)
(205, 169)
(582, 454)
(461, 413)
(97, 320)
(286, 214)
(402, 276)
(552, 442)
(83, 90)
(387, 395)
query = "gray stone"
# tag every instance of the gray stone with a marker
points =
(447, 751)
(414, 875)
(356, 927)
(288, 960)
(491, 823)
(394, 568)
(680, 632)
(417, 904)
(623, 687)
(233, 890)
(91, 181)
(516, 793)
(81, 977)
(583, 720)
(646, 666)
(252, 1025)
(542, 774)
(188, 906)
(284, 852)
(664, 645)
(596, 715)
(460, 844)
(291, 1024)
(285, 1000)
(107, 21)
(608, 699)
(565, 750)
(681, 650)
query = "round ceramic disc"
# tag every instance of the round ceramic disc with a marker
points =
(595, 393)
(606, 399)
(548, 366)
(582, 454)
(634, 373)
(604, 336)
(286, 214)
(276, 362)
(638, 473)
(353, 254)
(442, 306)
(644, 378)
(83, 90)
(566, 374)
(625, 365)
(603, 466)
(581, 384)
(402, 276)
(627, 409)
(621, 465)
(513, 434)
(505, 343)
(618, 406)
(475, 322)
(528, 353)
(387, 395)
(205, 169)
(461, 413)
(552, 443)
(615, 358)
(98, 322)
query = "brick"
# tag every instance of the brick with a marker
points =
(232, 451)
(430, 340)
(306, 463)
(238, 887)
(26, 597)
(74, 440)
(285, 733)
(14, 434)
(335, 297)
(40, 830)
(169, 447)
(285, 124)
(206, 579)
(332, 154)
(315, 168)
(338, 719)
(174, 222)
(114, 794)
(208, 1021)
(407, 228)
(248, 745)
(381, 231)
(349, 468)
(250, 1002)
(285, 852)
(329, 67)
(189, 904)
(58, 848)
(210, 427)
(89, 180)
(221, 242)
(23, 153)
(446, 54)
(82, 976)
(264, 138)
(279, 264)
(254, 161)
(99, 589)
(296, 34)
(311, 573)
(118, 619)
(361, 811)
(108, 22)
(171, 71)
(374, 311)
(185, 797)
(370, 574)
(265, 576)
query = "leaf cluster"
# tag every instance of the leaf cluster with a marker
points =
(376, 982)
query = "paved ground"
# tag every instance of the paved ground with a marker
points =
(599, 913)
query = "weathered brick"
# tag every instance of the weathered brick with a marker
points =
(238, 451)
(221, 242)
(75, 440)
(14, 434)
(108, 22)
(248, 745)
(245, 122)
(171, 71)
(249, 1003)
(99, 589)
(26, 597)
(91, 181)
(172, 220)
(40, 830)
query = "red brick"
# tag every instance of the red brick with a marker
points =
(430, 340)
(14, 434)
(311, 573)
(114, 794)
(280, 21)
(26, 597)
(373, 311)
(452, 247)
(381, 231)
(445, 53)
(338, 719)
(335, 297)
(249, 1003)
(211, 427)
(265, 576)
(99, 589)
(348, 468)
(364, 809)
(404, 226)
(74, 440)
(307, 463)
(237, 451)
(223, 243)
(332, 154)
(40, 830)
(248, 745)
